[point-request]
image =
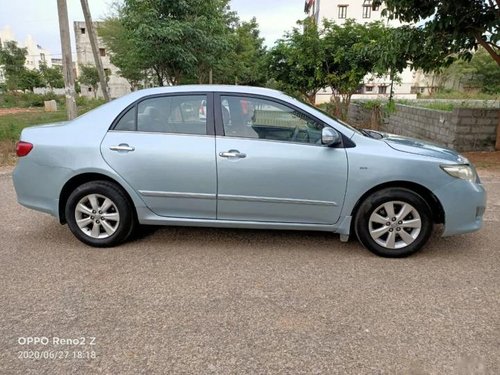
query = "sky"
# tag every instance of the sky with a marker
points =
(39, 18)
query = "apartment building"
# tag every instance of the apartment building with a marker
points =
(118, 86)
(362, 11)
(35, 54)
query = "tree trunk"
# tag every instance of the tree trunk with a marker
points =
(311, 98)
(158, 76)
(487, 47)
(95, 49)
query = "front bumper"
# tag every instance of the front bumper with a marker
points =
(464, 204)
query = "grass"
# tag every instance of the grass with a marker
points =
(11, 125)
(439, 106)
(466, 95)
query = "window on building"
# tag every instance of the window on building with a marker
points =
(382, 89)
(42, 56)
(342, 11)
(82, 30)
(368, 88)
(367, 11)
(102, 51)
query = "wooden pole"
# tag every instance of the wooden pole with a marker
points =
(67, 61)
(497, 144)
(95, 49)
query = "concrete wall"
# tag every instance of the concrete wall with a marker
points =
(463, 129)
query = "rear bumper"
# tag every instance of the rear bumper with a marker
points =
(38, 186)
(464, 204)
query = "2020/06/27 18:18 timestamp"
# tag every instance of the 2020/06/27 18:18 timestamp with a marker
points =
(56, 354)
(56, 348)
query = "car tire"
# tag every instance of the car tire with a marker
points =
(393, 222)
(99, 214)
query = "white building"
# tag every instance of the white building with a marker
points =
(118, 86)
(35, 55)
(412, 82)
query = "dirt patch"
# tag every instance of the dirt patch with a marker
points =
(12, 111)
(485, 160)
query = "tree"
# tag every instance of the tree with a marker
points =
(120, 42)
(296, 61)
(353, 50)
(174, 39)
(29, 79)
(52, 76)
(245, 62)
(12, 58)
(480, 73)
(212, 20)
(457, 26)
(90, 77)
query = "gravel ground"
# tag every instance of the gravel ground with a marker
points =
(203, 301)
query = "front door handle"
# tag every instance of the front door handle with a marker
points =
(232, 154)
(122, 147)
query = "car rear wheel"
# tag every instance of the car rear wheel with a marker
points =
(99, 214)
(394, 222)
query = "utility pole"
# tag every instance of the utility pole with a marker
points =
(95, 50)
(69, 75)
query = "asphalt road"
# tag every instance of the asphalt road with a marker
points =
(203, 301)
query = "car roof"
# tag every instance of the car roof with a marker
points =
(210, 88)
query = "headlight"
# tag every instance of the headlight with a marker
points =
(463, 171)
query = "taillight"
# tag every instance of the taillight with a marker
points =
(23, 148)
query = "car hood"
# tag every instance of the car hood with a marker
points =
(419, 147)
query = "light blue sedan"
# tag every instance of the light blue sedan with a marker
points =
(242, 157)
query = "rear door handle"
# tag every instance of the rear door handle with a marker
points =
(232, 154)
(122, 147)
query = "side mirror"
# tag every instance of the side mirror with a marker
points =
(329, 137)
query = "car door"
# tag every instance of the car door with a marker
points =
(165, 150)
(271, 165)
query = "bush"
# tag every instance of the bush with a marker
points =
(28, 99)
(86, 104)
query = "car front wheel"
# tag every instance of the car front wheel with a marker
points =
(99, 214)
(394, 222)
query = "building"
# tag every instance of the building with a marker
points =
(360, 10)
(35, 54)
(118, 86)
(412, 82)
